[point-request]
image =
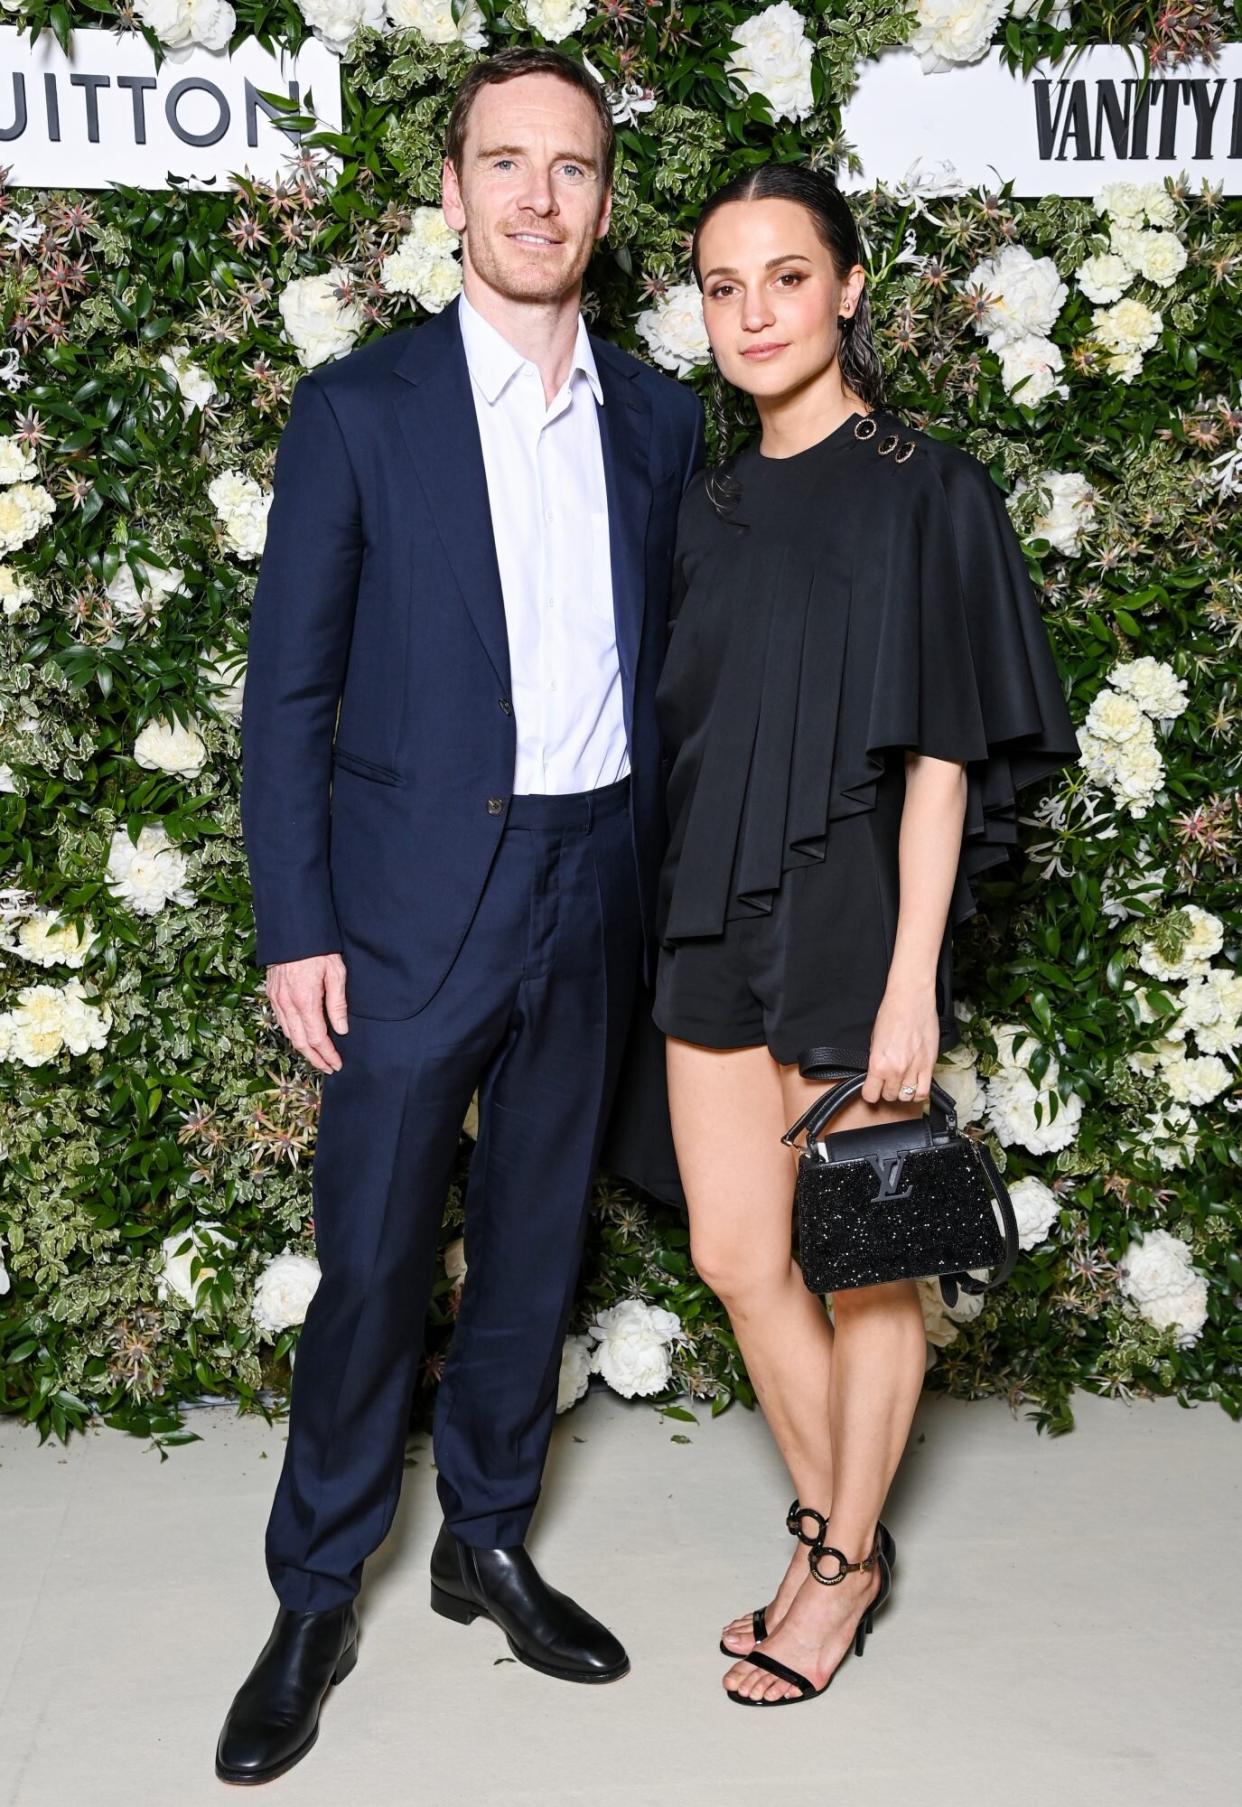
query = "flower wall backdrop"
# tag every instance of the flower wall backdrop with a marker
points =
(156, 1132)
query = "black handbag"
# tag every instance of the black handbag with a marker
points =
(899, 1200)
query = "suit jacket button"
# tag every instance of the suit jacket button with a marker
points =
(494, 806)
(506, 705)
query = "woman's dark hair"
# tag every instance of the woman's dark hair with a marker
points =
(506, 66)
(830, 213)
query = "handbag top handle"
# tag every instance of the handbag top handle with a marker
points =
(816, 1117)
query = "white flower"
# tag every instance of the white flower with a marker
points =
(44, 940)
(1201, 934)
(1033, 362)
(1192, 1080)
(203, 1239)
(424, 264)
(1125, 331)
(1153, 684)
(958, 1072)
(165, 746)
(241, 507)
(773, 57)
(1158, 204)
(1156, 1271)
(575, 1372)
(1070, 512)
(17, 462)
(455, 1259)
(674, 329)
(1105, 276)
(1012, 1098)
(334, 22)
(24, 509)
(434, 19)
(1171, 1136)
(180, 25)
(556, 20)
(1211, 1011)
(1036, 1208)
(633, 1346)
(150, 875)
(1112, 715)
(1121, 201)
(15, 592)
(224, 674)
(47, 1018)
(1159, 256)
(196, 385)
(940, 1321)
(319, 324)
(140, 597)
(283, 1291)
(1024, 295)
(4, 1272)
(8, 781)
(950, 32)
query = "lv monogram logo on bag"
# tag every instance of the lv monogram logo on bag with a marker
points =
(888, 1171)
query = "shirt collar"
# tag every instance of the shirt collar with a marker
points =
(493, 362)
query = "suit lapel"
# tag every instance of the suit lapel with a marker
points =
(625, 437)
(435, 408)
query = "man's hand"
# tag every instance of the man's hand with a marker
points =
(299, 990)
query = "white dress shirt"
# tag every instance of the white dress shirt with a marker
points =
(549, 509)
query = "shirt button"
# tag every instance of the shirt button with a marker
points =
(494, 805)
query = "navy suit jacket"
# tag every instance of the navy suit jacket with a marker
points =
(378, 735)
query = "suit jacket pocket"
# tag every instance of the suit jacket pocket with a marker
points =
(365, 768)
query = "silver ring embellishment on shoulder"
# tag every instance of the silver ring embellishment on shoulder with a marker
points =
(905, 452)
(866, 428)
(887, 444)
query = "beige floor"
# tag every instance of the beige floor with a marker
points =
(1064, 1628)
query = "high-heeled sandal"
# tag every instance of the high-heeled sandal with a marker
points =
(793, 1524)
(773, 1665)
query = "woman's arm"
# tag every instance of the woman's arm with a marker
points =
(905, 1041)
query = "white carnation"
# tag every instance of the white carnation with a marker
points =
(1033, 362)
(1125, 331)
(575, 1372)
(633, 1345)
(773, 57)
(673, 329)
(434, 19)
(1202, 937)
(283, 1291)
(1104, 277)
(241, 507)
(424, 263)
(1211, 1011)
(320, 325)
(556, 20)
(202, 1240)
(180, 25)
(1153, 684)
(1070, 511)
(1025, 295)
(47, 1018)
(24, 509)
(166, 746)
(15, 592)
(1195, 1079)
(1036, 1208)
(1159, 256)
(44, 940)
(1156, 1271)
(1121, 201)
(150, 875)
(958, 1072)
(17, 462)
(1158, 204)
(952, 32)
(1171, 1136)
(197, 387)
(334, 22)
(1112, 715)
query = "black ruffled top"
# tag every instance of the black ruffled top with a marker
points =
(859, 597)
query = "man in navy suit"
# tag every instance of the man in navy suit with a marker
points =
(453, 809)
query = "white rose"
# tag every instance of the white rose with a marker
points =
(1036, 1208)
(47, 1018)
(673, 329)
(283, 1291)
(241, 507)
(1026, 294)
(203, 1239)
(17, 464)
(1153, 684)
(150, 875)
(633, 1347)
(320, 326)
(556, 20)
(15, 592)
(24, 509)
(575, 1372)
(1037, 360)
(166, 746)
(141, 596)
(182, 24)
(1104, 277)
(434, 19)
(44, 940)
(1070, 512)
(951, 32)
(773, 57)
(197, 387)
(334, 22)
(1156, 1271)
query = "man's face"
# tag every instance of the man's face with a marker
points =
(529, 198)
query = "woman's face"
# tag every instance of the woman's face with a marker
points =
(771, 297)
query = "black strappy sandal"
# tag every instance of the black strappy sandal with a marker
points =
(773, 1665)
(793, 1524)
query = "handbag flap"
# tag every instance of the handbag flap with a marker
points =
(876, 1140)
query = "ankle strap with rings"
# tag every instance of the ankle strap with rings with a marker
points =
(793, 1524)
(846, 1567)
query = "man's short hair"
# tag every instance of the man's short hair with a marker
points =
(505, 66)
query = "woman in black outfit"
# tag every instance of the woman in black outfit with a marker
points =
(858, 681)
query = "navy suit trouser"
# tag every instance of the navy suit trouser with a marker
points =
(533, 1013)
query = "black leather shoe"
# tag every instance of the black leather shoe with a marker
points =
(546, 1630)
(274, 1718)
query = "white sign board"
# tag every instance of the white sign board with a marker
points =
(1066, 129)
(104, 113)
